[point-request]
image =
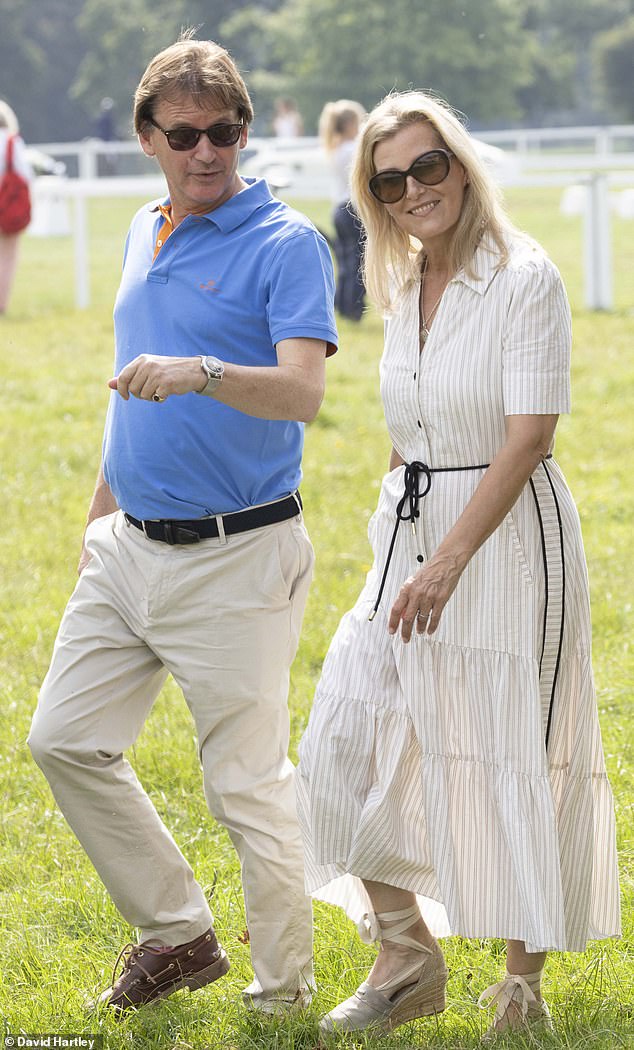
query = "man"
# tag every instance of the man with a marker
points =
(196, 561)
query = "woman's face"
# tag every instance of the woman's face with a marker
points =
(429, 213)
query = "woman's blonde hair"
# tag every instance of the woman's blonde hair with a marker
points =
(8, 118)
(391, 262)
(199, 69)
(336, 118)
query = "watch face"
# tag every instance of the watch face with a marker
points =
(213, 367)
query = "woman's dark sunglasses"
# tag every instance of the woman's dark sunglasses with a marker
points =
(429, 169)
(185, 138)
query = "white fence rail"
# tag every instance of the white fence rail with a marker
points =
(297, 168)
(594, 139)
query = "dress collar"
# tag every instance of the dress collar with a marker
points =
(486, 261)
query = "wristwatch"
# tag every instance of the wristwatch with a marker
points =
(214, 370)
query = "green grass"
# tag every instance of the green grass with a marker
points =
(59, 932)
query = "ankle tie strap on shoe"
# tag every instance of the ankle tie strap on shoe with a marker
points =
(372, 927)
(514, 988)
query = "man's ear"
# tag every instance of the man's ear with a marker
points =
(145, 140)
(244, 136)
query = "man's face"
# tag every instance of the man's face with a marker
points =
(204, 177)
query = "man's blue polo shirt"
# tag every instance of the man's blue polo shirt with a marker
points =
(231, 283)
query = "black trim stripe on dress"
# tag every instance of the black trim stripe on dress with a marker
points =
(552, 540)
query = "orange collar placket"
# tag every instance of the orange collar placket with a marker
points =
(166, 228)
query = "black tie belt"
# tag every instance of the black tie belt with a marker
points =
(412, 495)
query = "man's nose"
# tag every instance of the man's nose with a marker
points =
(205, 150)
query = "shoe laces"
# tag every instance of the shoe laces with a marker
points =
(129, 957)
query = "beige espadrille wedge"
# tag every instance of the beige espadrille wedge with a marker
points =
(416, 991)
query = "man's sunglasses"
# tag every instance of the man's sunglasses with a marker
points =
(429, 169)
(185, 138)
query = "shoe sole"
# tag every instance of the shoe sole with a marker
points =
(414, 1012)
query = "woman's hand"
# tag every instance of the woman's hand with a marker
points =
(423, 596)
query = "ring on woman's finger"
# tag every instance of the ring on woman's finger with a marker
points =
(157, 397)
(423, 616)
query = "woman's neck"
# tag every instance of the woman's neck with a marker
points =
(436, 264)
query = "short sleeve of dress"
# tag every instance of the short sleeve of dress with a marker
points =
(537, 342)
(300, 290)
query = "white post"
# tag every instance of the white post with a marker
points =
(82, 262)
(603, 141)
(597, 245)
(88, 159)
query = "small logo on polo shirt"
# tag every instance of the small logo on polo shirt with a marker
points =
(209, 286)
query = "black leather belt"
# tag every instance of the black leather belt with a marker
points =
(182, 532)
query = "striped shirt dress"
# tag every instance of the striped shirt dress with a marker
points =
(467, 766)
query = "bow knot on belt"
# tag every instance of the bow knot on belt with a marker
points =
(412, 491)
(414, 473)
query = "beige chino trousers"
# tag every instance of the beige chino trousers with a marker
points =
(223, 617)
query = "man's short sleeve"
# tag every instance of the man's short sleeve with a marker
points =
(537, 343)
(301, 290)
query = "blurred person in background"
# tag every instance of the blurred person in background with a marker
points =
(10, 139)
(452, 777)
(105, 127)
(106, 130)
(287, 120)
(339, 126)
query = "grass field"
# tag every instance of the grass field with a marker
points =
(59, 932)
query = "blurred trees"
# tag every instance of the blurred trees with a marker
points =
(615, 60)
(500, 61)
(473, 53)
(40, 45)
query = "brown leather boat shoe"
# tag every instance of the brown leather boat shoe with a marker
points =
(150, 973)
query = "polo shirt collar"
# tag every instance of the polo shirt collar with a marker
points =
(237, 209)
(485, 263)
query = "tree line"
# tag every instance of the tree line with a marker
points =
(502, 62)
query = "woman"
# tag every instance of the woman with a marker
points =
(9, 242)
(453, 763)
(339, 126)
